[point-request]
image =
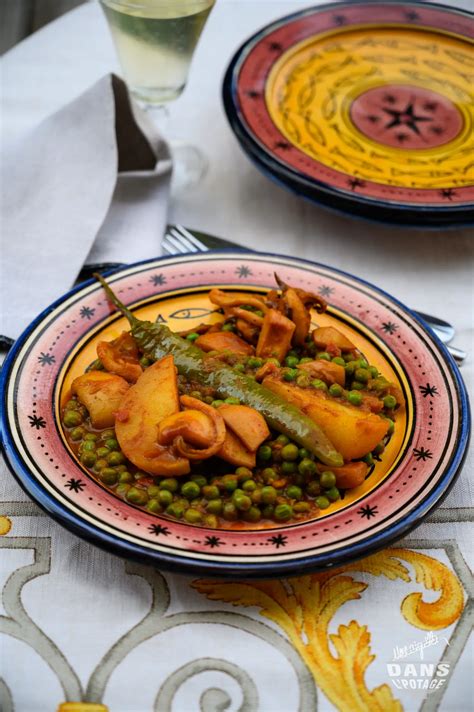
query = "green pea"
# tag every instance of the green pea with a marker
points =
(90, 436)
(327, 479)
(100, 463)
(176, 510)
(135, 495)
(282, 439)
(102, 451)
(192, 516)
(125, 477)
(264, 452)
(362, 375)
(170, 484)
(391, 426)
(380, 384)
(350, 368)
(303, 380)
(290, 374)
(241, 501)
(340, 361)
(122, 489)
(256, 495)
(239, 367)
(228, 327)
(72, 404)
(332, 494)
(229, 483)
(217, 403)
(300, 507)
(305, 359)
(389, 402)
(358, 386)
(230, 512)
(88, 446)
(115, 458)
(254, 362)
(243, 474)
(72, 419)
(354, 398)
(323, 355)
(232, 401)
(190, 490)
(269, 474)
(292, 361)
(306, 467)
(283, 512)
(154, 506)
(288, 468)
(144, 362)
(313, 489)
(249, 486)
(322, 502)
(267, 511)
(336, 390)
(210, 492)
(368, 459)
(88, 459)
(374, 372)
(77, 434)
(269, 495)
(121, 468)
(153, 490)
(164, 497)
(348, 356)
(211, 521)
(111, 444)
(362, 363)
(214, 506)
(294, 492)
(108, 476)
(290, 452)
(319, 384)
(192, 337)
(252, 515)
(199, 480)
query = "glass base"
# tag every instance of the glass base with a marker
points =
(189, 165)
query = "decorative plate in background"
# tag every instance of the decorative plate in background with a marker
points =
(416, 471)
(366, 107)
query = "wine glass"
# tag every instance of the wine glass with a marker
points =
(155, 42)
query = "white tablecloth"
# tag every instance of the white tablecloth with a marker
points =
(82, 624)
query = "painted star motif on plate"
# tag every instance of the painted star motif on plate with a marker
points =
(46, 359)
(75, 485)
(157, 529)
(367, 511)
(87, 313)
(212, 541)
(36, 422)
(278, 540)
(158, 279)
(422, 454)
(389, 327)
(429, 390)
(325, 290)
(448, 193)
(243, 271)
(354, 183)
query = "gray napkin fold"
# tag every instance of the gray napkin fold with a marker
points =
(90, 183)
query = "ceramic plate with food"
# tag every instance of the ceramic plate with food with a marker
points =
(234, 414)
(365, 107)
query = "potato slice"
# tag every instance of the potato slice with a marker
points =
(326, 335)
(224, 341)
(101, 393)
(249, 426)
(153, 398)
(275, 337)
(235, 452)
(348, 476)
(352, 431)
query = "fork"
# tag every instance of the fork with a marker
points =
(179, 241)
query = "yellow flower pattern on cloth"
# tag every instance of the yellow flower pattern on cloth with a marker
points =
(304, 607)
(5, 525)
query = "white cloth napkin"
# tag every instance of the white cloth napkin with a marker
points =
(89, 184)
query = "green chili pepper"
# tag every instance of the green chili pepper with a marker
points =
(159, 341)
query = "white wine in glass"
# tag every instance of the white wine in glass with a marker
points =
(155, 41)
